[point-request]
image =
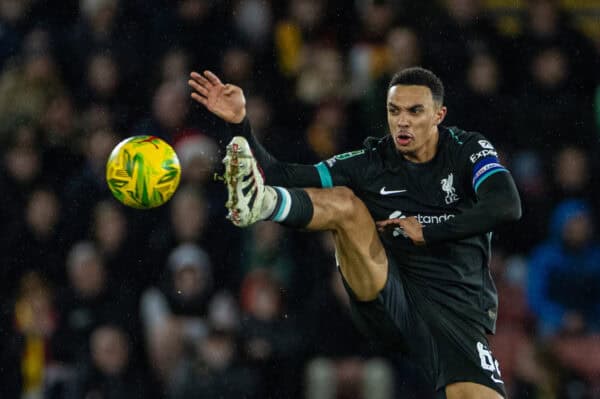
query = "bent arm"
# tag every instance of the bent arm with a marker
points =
(497, 202)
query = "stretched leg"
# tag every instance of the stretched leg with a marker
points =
(361, 256)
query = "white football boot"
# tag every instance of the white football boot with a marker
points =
(247, 195)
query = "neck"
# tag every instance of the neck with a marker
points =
(427, 151)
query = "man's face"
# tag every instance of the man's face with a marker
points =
(413, 117)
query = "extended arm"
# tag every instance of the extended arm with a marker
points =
(277, 173)
(228, 103)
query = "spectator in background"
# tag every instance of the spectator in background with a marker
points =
(174, 65)
(38, 244)
(174, 313)
(572, 174)
(267, 247)
(327, 130)
(224, 313)
(402, 50)
(273, 132)
(190, 25)
(321, 77)
(547, 26)
(199, 155)
(481, 103)
(61, 138)
(22, 170)
(548, 110)
(109, 372)
(187, 223)
(169, 117)
(215, 372)
(238, 65)
(564, 274)
(101, 28)
(27, 86)
(87, 185)
(369, 53)
(269, 335)
(302, 27)
(253, 24)
(28, 342)
(103, 85)
(464, 29)
(88, 302)
(109, 234)
(342, 363)
(13, 21)
(96, 117)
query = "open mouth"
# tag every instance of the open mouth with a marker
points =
(404, 138)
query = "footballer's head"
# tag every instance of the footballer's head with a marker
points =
(415, 107)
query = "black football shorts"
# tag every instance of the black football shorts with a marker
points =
(447, 349)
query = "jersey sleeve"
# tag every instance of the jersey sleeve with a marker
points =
(496, 193)
(481, 161)
(343, 169)
(339, 170)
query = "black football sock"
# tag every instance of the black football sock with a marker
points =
(293, 209)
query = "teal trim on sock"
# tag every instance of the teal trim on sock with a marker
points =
(284, 200)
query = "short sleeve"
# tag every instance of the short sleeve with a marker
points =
(481, 160)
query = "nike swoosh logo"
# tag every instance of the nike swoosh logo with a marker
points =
(384, 192)
(499, 381)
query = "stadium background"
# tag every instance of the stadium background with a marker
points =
(100, 301)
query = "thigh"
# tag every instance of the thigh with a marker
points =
(359, 251)
(471, 390)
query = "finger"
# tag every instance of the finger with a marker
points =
(212, 78)
(388, 222)
(199, 88)
(198, 98)
(200, 79)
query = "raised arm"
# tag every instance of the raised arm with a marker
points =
(227, 101)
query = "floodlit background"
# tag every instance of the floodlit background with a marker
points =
(101, 301)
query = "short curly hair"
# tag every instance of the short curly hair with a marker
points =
(418, 76)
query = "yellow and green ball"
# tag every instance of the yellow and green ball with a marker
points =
(143, 172)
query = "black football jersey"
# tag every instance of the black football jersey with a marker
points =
(454, 275)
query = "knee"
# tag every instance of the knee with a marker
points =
(345, 204)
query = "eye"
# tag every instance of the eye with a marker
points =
(393, 111)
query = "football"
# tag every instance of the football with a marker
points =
(143, 172)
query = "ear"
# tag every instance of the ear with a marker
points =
(440, 114)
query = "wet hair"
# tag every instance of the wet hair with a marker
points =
(418, 76)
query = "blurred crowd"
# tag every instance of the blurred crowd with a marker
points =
(101, 301)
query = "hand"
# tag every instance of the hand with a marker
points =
(227, 101)
(410, 226)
